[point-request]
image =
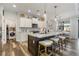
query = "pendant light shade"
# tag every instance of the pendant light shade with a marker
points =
(55, 13)
(56, 18)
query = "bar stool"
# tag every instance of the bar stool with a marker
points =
(60, 42)
(45, 44)
(63, 41)
(55, 43)
(66, 41)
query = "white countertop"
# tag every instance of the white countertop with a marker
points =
(63, 37)
(38, 35)
(55, 39)
(46, 42)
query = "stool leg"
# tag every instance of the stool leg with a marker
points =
(65, 43)
(39, 50)
(45, 50)
(59, 47)
(62, 46)
(59, 44)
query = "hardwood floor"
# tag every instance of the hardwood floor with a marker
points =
(0, 48)
(13, 48)
(72, 49)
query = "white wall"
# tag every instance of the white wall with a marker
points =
(1, 9)
(18, 38)
(2, 25)
(10, 18)
(0, 17)
(74, 28)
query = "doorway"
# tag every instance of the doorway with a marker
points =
(78, 28)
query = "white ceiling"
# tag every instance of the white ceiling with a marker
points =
(49, 7)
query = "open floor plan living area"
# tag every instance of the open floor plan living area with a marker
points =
(39, 29)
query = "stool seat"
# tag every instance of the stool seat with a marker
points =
(46, 43)
(63, 37)
(55, 39)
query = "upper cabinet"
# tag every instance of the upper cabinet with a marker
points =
(25, 22)
(35, 20)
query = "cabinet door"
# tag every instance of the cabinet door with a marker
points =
(32, 45)
(28, 22)
(22, 22)
(35, 20)
(25, 22)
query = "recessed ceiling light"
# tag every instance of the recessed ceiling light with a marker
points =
(29, 11)
(14, 6)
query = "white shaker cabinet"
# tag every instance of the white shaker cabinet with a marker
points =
(35, 20)
(25, 22)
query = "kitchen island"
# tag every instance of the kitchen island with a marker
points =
(33, 41)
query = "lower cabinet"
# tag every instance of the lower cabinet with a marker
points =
(33, 45)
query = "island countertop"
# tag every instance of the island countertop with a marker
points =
(39, 35)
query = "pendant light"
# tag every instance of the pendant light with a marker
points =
(29, 11)
(45, 13)
(56, 18)
(55, 13)
(14, 6)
